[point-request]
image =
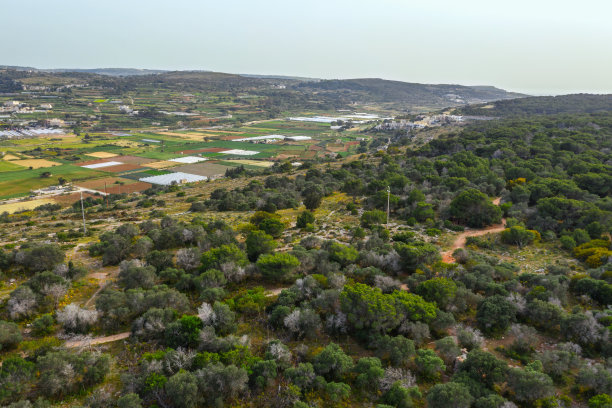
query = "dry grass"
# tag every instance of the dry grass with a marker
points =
(254, 162)
(10, 157)
(162, 164)
(24, 205)
(101, 155)
(125, 143)
(36, 163)
(189, 136)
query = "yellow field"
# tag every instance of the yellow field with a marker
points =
(161, 164)
(101, 155)
(254, 162)
(36, 163)
(10, 157)
(125, 143)
(24, 205)
(190, 135)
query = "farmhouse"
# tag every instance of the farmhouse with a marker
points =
(55, 122)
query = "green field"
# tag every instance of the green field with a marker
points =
(19, 183)
(8, 166)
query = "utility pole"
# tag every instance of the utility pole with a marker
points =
(388, 199)
(106, 195)
(83, 212)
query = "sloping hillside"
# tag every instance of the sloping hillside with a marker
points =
(542, 105)
(380, 90)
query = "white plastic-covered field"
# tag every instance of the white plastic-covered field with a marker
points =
(298, 138)
(188, 159)
(255, 138)
(103, 164)
(240, 152)
(173, 178)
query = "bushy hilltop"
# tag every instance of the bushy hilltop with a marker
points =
(541, 105)
(294, 290)
(433, 95)
(283, 93)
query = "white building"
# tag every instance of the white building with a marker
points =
(55, 122)
(11, 104)
(46, 106)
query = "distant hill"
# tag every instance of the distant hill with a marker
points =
(98, 71)
(110, 71)
(282, 92)
(412, 94)
(542, 105)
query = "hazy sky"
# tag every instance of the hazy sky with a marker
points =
(533, 46)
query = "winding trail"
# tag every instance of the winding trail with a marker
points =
(461, 239)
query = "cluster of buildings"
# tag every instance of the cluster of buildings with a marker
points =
(127, 110)
(20, 107)
(401, 124)
(419, 122)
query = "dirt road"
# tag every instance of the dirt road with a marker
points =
(460, 240)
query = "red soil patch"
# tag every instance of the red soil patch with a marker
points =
(69, 199)
(334, 147)
(120, 168)
(133, 159)
(316, 148)
(136, 187)
(98, 184)
(286, 156)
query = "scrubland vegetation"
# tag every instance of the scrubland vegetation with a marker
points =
(289, 287)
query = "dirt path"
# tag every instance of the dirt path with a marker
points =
(103, 277)
(274, 292)
(96, 340)
(460, 240)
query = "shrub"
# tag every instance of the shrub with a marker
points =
(10, 336)
(76, 319)
(277, 267)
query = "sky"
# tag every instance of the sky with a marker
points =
(539, 47)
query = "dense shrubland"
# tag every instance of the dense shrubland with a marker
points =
(374, 318)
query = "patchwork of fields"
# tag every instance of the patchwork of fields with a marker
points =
(121, 159)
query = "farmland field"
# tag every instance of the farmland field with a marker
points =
(9, 166)
(101, 155)
(35, 163)
(24, 205)
(203, 169)
(19, 183)
(145, 150)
